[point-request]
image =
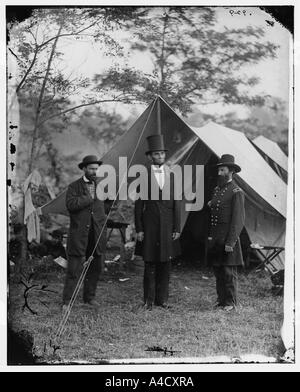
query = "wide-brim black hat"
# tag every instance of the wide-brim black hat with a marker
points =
(88, 160)
(228, 160)
(155, 143)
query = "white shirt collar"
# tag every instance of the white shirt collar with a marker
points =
(156, 167)
(85, 179)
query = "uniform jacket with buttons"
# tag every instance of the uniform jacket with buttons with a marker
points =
(226, 223)
(158, 219)
(85, 211)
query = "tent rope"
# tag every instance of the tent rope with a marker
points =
(86, 265)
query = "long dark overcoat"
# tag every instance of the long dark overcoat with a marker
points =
(158, 219)
(84, 210)
(226, 224)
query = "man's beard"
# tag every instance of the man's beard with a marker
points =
(222, 180)
(158, 163)
(91, 177)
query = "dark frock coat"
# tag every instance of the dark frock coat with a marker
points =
(227, 221)
(85, 211)
(158, 219)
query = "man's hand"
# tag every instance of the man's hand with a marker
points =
(175, 236)
(140, 236)
(228, 248)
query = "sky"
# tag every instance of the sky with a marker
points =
(85, 58)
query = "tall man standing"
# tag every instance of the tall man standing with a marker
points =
(87, 220)
(227, 221)
(157, 223)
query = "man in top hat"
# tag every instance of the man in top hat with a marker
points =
(87, 222)
(157, 223)
(227, 221)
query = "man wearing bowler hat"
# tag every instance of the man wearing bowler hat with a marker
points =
(157, 222)
(87, 222)
(227, 221)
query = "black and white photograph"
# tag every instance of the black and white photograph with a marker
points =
(150, 186)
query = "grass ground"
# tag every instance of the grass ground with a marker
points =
(121, 329)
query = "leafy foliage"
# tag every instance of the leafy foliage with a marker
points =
(101, 128)
(269, 120)
(193, 60)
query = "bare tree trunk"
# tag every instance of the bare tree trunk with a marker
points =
(35, 133)
(39, 104)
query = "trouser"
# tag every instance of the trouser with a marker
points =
(156, 282)
(226, 284)
(75, 266)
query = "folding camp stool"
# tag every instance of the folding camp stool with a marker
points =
(121, 226)
(270, 253)
(268, 257)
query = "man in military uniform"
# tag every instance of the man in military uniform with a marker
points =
(87, 222)
(157, 222)
(227, 221)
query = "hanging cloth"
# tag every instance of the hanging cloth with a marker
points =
(31, 215)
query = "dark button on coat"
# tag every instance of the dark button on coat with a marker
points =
(226, 224)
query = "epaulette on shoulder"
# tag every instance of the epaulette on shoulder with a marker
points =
(235, 190)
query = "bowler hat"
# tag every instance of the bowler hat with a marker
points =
(155, 143)
(89, 159)
(228, 160)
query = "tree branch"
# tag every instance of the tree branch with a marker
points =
(28, 70)
(82, 105)
(67, 34)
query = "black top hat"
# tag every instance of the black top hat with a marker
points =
(155, 143)
(89, 159)
(228, 160)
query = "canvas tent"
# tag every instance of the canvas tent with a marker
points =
(273, 154)
(265, 191)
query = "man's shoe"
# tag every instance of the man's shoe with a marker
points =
(218, 305)
(147, 306)
(165, 306)
(228, 308)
